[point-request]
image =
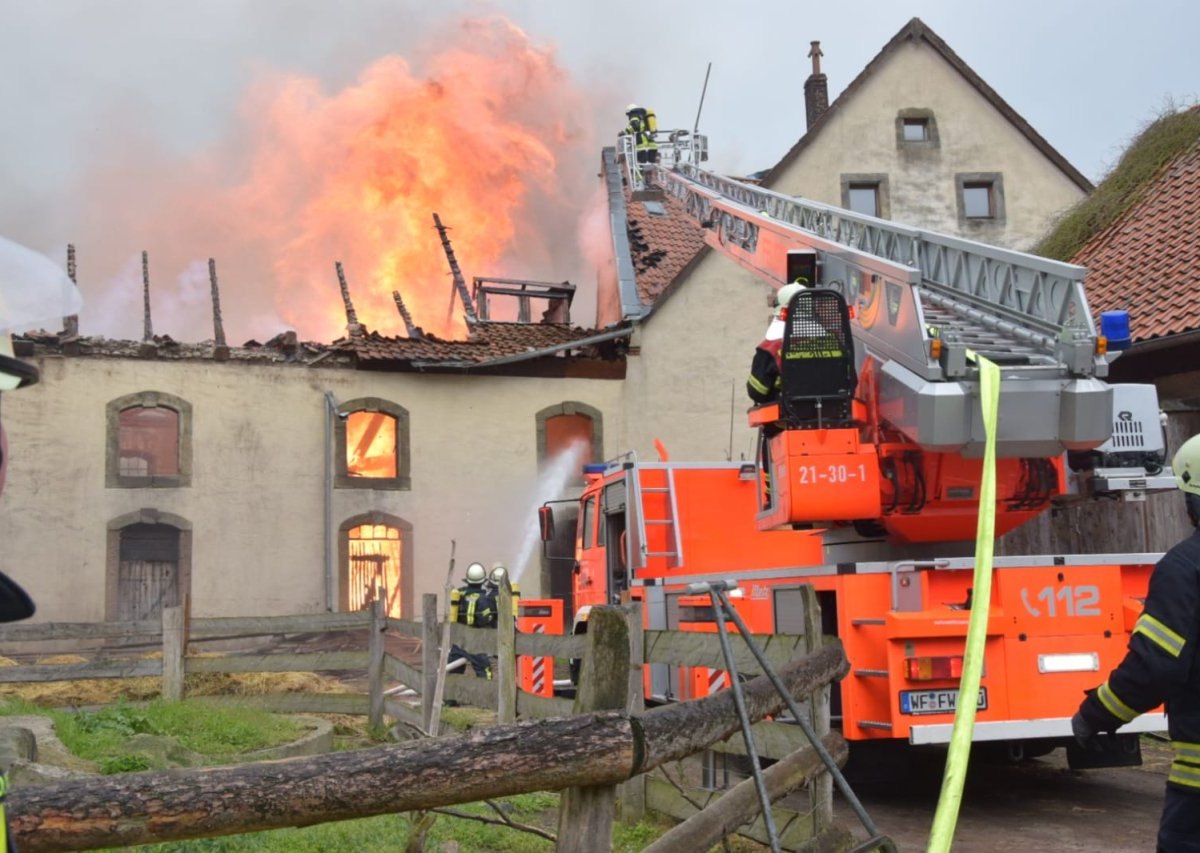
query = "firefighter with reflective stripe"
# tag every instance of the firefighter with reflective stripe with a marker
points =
(474, 604)
(497, 576)
(642, 124)
(1162, 666)
(765, 381)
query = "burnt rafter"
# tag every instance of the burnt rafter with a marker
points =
(460, 284)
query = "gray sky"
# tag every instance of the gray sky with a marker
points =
(108, 101)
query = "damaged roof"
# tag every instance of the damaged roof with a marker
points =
(490, 343)
(664, 243)
(655, 241)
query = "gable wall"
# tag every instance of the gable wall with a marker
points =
(860, 137)
(695, 354)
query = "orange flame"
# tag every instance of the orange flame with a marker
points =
(491, 134)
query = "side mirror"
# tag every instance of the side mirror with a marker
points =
(546, 522)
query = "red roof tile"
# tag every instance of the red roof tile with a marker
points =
(662, 245)
(488, 341)
(1148, 261)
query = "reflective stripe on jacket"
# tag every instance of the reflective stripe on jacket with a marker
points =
(1162, 665)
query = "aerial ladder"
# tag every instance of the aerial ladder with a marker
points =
(922, 307)
(868, 489)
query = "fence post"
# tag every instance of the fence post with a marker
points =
(820, 788)
(429, 656)
(632, 794)
(506, 657)
(585, 814)
(375, 661)
(173, 648)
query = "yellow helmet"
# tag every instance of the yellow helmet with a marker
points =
(1186, 466)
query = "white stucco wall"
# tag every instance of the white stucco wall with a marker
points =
(860, 138)
(255, 503)
(695, 353)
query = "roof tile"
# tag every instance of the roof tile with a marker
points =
(489, 340)
(1148, 261)
(662, 245)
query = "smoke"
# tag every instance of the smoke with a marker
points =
(480, 124)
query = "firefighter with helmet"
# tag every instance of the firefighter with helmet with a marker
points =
(642, 124)
(766, 379)
(1162, 666)
(496, 578)
(764, 383)
(33, 292)
(474, 604)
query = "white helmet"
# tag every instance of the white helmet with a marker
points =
(499, 573)
(1186, 466)
(476, 573)
(784, 297)
(630, 108)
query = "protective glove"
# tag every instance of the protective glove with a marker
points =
(1084, 734)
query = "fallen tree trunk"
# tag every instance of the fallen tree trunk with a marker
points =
(544, 755)
(739, 805)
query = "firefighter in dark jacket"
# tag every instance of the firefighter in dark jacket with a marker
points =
(1162, 666)
(474, 604)
(766, 381)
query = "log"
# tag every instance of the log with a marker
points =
(740, 804)
(671, 732)
(602, 748)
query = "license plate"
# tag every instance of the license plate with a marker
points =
(935, 701)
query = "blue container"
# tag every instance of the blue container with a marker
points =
(1114, 325)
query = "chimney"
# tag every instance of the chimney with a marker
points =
(816, 87)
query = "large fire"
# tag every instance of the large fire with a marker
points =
(489, 132)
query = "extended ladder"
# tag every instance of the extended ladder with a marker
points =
(909, 287)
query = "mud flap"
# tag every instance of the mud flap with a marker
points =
(1123, 750)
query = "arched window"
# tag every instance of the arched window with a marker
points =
(568, 425)
(372, 445)
(376, 562)
(149, 565)
(149, 441)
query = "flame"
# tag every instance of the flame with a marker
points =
(489, 132)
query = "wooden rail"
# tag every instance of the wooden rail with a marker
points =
(774, 740)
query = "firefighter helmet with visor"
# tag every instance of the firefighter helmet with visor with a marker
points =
(476, 573)
(1186, 466)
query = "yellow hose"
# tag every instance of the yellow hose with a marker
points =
(945, 819)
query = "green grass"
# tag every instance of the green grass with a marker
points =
(1172, 133)
(217, 732)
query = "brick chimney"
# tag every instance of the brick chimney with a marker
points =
(816, 87)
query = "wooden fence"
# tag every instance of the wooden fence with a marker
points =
(672, 794)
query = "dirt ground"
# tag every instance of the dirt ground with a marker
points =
(1038, 805)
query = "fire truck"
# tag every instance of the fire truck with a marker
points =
(867, 481)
